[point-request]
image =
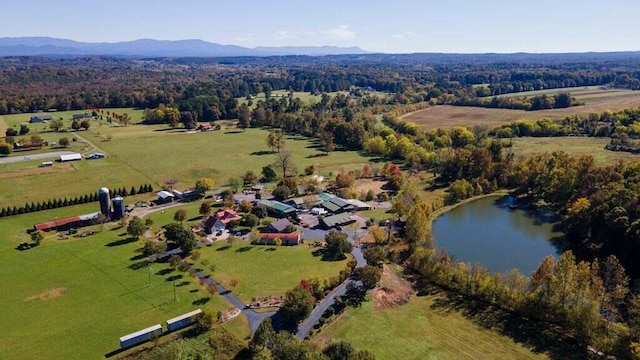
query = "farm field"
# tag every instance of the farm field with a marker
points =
(159, 152)
(73, 298)
(266, 270)
(421, 330)
(576, 146)
(596, 100)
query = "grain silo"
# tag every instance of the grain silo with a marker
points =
(105, 201)
(118, 208)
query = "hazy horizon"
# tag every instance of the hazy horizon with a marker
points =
(404, 26)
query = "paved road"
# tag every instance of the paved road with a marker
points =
(304, 328)
(254, 318)
(41, 156)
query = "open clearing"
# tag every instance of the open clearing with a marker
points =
(419, 331)
(576, 146)
(596, 100)
(266, 270)
(73, 298)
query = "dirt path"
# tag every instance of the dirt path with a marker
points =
(42, 156)
(95, 148)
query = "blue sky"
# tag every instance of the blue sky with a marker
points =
(398, 26)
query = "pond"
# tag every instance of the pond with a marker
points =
(491, 231)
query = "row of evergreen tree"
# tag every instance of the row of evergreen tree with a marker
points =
(58, 203)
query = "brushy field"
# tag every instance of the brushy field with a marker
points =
(421, 330)
(576, 146)
(73, 298)
(159, 153)
(266, 270)
(596, 100)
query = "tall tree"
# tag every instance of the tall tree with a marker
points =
(180, 215)
(203, 185)
(284, 162)
(244, 117)
(298, 304)
(136, 227)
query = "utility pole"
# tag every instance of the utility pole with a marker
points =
(173, 281)
(149, 268)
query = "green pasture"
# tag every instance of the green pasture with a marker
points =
(266, 270)
(73, 298)
(160, 152)
(26, 182)
(421, 329)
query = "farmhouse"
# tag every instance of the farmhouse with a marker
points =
(66, 223)
(164, 197)
(70, 157)
(277, 208)
(337, 220)
(40, 118)
(287, 239)
(220, 220)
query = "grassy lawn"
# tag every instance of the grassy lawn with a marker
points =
(266, 270)
(418, 330)
(160, 152)
(87, 291)
(576, 146)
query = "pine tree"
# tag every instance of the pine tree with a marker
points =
(49, 204)
(65, 202)
(33, 207)
(124, 191)
(149, 188)
(27, 208)
(132, 191)
(17, 211)
(38, 206)
(142, 189)
(3, 212)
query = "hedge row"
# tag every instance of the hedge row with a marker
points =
(58, 203)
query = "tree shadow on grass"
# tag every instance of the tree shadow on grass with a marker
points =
(271, 249)
(201, 301)
(233, 132)
(244, 249)
(138, 265)
(326, 256)
(138, 257)
(164, 272)
(184, 283)
(195, 218)
(121, 242)
(174, 277)
(226, 247)
(537, 335)
(262, 152)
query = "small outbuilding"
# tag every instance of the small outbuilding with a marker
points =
(280, 226)
(164, 197)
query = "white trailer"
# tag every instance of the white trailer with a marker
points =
(183, 320)
(141, 336)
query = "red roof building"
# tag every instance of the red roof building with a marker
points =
(287, 239)
(220, 220)
(68, 222)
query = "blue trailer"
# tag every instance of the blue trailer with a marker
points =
(183, 320)
(141, 336)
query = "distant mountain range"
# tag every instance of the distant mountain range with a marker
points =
(29, 46)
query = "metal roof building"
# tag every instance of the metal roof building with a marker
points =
(340, 219)
(70, 157)
(67, 222)
(276, 207)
